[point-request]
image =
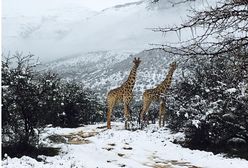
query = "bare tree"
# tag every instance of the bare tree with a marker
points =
(224, 27)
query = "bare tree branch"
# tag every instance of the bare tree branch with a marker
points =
(222, 29)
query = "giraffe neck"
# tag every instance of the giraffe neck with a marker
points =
(131, 78)
(167, 81)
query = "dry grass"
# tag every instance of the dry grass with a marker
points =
(79, 142)
(173, 163)
(73, 138)
(81, 134)
(160, 163)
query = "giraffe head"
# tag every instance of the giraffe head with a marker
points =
(136, 61)
(173, 66)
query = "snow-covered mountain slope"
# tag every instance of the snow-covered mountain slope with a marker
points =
(110, 69)
(54, 29)
(93, 39)
(117, 147)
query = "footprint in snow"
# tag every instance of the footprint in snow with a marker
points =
(122, 165)
(127, 148)
(110, 161)
(121, 154)
(108, 148)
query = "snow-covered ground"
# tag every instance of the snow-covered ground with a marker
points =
(117, 147)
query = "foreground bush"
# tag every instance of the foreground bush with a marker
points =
(31, 100)
(211, 105)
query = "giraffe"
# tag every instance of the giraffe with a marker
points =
(157, 94)
(124, 94)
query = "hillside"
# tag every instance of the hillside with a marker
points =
(59, 120)
(109, 69)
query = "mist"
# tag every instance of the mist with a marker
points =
(64, 28)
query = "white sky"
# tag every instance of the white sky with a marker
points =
(44, 19)
(33, 7)
(53, 29)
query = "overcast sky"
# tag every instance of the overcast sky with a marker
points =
(52, 29)
(33, 7)
(57, 28)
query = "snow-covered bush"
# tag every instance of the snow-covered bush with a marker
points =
(49, 86)
(66, 104)
(31, 100)
(19, 101)
(211, 104)
(79, 106)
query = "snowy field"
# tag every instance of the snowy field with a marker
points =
(94, 146)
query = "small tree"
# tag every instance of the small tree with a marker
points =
(80, 106)
(225, 21)
(211, 106)
(31, 100)
(20, 101)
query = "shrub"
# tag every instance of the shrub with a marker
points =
(211, 105)
(31, 100)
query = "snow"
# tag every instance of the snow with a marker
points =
(243, 88)
(196, 123)
(118, 148)
(231, 90)
(236, 140)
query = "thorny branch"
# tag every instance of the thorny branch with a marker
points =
(225, 29)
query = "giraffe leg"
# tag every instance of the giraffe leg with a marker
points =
(126, 114)
(111, 104)
(162, 113)
(109, 117)
(165, 115)
(145, 108)
(127, 100)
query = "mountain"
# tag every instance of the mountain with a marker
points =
(57, 29)
(91, 42)
(110, 69)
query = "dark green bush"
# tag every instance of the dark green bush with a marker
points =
(32, 100)
(211, 105)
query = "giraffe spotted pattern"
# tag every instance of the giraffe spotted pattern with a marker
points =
(123, 94)
(157, 94)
